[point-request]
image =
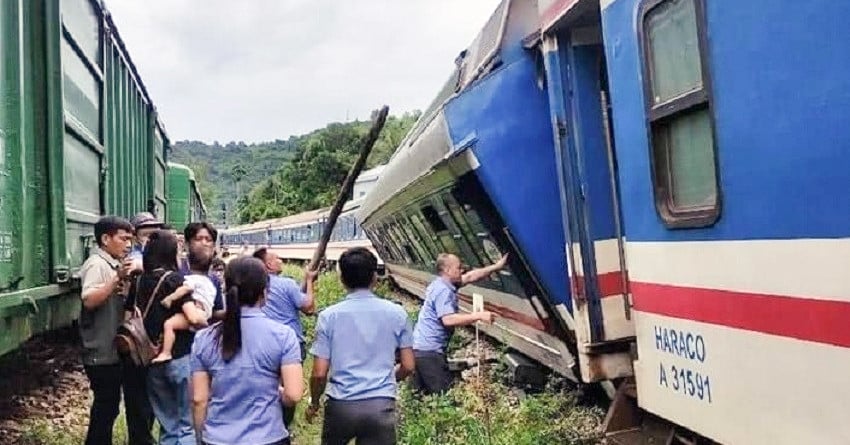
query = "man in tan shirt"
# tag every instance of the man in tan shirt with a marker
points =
(102, 276)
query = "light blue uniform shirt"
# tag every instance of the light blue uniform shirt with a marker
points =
(360, 336)
(244, 405)
(440, 300)
(135, 253)
(283, 303)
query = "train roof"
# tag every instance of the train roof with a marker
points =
(183, 167)
(113, 31)
(295, 220)
(499, 41)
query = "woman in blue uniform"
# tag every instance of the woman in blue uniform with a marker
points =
(240, 364)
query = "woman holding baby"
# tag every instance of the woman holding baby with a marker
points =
(167, 382)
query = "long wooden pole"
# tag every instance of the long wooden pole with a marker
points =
(365, 148)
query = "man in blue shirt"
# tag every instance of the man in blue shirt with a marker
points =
(356, 342)
(284, 300)
(439, 316)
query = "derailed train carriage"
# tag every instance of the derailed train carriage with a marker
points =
(668, 177)
(79, 137)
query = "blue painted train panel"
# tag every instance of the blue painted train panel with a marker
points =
(507, 114)
(589, 133)
(780, 113)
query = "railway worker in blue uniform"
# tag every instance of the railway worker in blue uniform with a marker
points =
(354, 356)
(284, 301)
(244, 367)
(102, 277)
(439, 316)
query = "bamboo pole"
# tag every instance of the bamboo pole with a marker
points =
(365, 148)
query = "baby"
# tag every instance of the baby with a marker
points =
(203, 291)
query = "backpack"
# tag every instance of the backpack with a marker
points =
(132, 338)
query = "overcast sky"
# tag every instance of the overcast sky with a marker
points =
(260, 70)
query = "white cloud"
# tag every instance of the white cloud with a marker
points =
(265, 69)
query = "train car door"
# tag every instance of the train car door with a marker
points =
(84, 157)
(574, 62)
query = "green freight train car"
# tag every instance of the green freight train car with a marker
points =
(79, 137)
(184, 199)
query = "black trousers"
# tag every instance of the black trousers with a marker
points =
(137, 405)
(432, 374)
(106, 383)
(369, 422)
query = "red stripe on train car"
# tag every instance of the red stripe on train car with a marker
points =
(610, 284)
(500, 311)
(821, 321)
(509, 314)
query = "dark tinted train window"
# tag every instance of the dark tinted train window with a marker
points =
(425, 256)
(409, 245)
(463, 227)
(400, 243)
(488, 249)
(678, 103)
(429, 237)
(433, 217)
(390, 244)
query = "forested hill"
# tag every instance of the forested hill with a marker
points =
(282, 177)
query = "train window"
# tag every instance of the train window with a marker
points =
(460, 221)
(402, 244)
(426, 259)
(433, 218)
(397, 244)
(430, 239)
(387, 241)
(679, 111)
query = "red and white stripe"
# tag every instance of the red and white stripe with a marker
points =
(610, 282)
(775, 316)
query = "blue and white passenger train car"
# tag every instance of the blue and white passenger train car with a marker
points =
(475, 177)
(296, 237)
(669, 177)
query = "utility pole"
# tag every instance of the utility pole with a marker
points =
(345, 191)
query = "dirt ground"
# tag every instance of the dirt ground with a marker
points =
(43, 381)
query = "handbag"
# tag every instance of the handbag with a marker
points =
(132, 338)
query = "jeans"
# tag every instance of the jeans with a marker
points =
(168, 389)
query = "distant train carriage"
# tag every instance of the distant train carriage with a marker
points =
(185, 203)
(80, 138)
(296, 237)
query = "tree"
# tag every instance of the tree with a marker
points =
(238, 172)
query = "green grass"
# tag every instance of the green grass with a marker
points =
(44, 432)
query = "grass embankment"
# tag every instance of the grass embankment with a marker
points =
(484, 412)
